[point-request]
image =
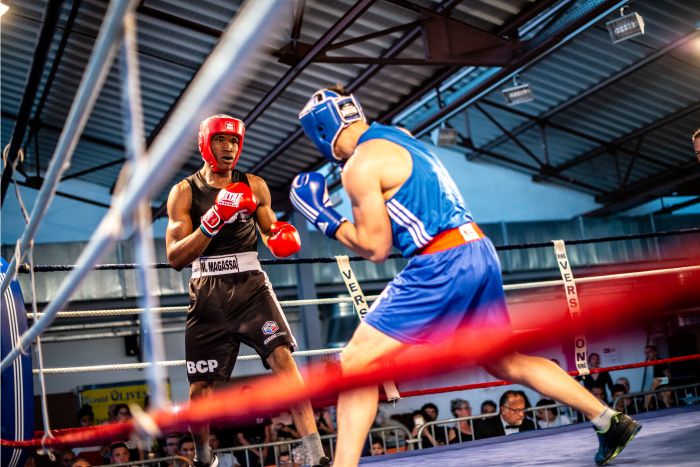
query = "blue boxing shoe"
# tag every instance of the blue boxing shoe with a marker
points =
(622, 430)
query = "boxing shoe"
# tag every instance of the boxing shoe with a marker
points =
(323, 462)
(622, 430)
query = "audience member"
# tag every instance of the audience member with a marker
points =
(170, 447)
(226, 459)
(432, 435)
(324, 422)
(185, 448)
(86, 417)
(30, 461)
(488, 406)
(657, 371)
(511, 417)
(80, 462)
(696, 143)
(665, 399)
(550, 417)
(283, 427)
(259, 431)
(378, 448)
(622, 402)
(118, 453)
(67, 457)
(597, 380)
(625, 382)
(463, 431)
(599, 393)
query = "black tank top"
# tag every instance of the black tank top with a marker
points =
(237, 237)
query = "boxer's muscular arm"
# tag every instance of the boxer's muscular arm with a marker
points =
(183, 243)
(370, 234)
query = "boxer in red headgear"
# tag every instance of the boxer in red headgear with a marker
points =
(212, 219)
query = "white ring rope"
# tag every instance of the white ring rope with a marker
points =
(326, 301)
(140, 366)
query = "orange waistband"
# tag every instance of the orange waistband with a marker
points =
(466, 233)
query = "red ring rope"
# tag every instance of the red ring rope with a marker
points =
(467, 347)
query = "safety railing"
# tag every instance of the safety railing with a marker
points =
(445, 427)
(285, 452)
(639, 402)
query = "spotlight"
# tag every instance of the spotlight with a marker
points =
(3, 9)
(518, 94)
(443, 136)
(446, 136)
(625, 27)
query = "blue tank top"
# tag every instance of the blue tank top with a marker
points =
(428, 202)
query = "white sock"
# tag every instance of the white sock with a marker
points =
(312, 443)
(203, 454)
(602, 421)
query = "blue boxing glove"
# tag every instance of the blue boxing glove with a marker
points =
(309, 194)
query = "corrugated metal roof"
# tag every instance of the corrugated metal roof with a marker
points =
(176, 36)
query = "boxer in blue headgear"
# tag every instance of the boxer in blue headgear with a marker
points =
(403, 197)
(325, 115)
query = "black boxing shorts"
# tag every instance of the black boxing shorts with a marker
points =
(231, 301)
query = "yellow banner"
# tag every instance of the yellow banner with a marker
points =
(105, 397)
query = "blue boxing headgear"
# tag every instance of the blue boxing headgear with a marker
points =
(325, 115)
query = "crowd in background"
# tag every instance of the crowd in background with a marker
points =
(512, 413)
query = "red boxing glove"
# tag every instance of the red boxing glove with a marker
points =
(284, 239)
(236, 199)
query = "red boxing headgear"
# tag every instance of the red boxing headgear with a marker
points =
(219, 124)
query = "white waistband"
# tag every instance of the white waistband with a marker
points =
(225, 264)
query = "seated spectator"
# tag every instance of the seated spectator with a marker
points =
(597, 380)
(488, 407)
(551, 417)
(432, 435)
(118, 453)
(599, 393)
(463, 431)
(169, 448)
(511, 417)
(185, 448)
(625, 382)
(665, 399)
(30, 461)
(622, 403)
(283, 427)
(656, 371)
(86, 417)
(378, 448)
(226, 459)
(259, 431)
(67, 457)
(80, 462)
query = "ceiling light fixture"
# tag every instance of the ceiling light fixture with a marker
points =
(625, 27)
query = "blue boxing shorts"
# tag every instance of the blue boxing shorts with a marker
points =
(438, 293)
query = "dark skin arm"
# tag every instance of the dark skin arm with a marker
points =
(185, 242)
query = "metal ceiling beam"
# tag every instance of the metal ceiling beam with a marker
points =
(571, 131)
(593, 11)
(36, 69)
(618, 142)
(177, 20)
(56, 63)
(676, 207)
(648, 189)
(649, 59)
(359, 80)
(326, 39)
